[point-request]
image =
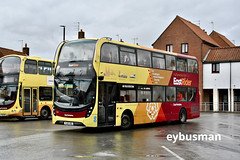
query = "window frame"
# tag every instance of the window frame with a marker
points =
(140, 53)
(127, 88)
(127, 50)
(189, 65)
(175, 94)
(184, 48)
(27, 64)
(164, 92)
(44, 65)
(150, 90)
(167, 68)
(180, 59)
(215, 67)
(158, 56)
(169, 47)
(180, 89)
(118, 53)
(41, 94)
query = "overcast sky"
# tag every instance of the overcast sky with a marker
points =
(37, 22)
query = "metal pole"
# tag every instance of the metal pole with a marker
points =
(63, 31)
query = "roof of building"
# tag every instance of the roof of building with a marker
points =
(223, 54)
(202, 34)
(221, 39)
(5, 51)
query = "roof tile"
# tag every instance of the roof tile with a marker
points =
(5, 51)
(198, 31)
(224, 54)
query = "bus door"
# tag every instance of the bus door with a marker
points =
(30, 101)
(107, 104)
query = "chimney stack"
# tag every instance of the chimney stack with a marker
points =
(81, 34)
(26, 50)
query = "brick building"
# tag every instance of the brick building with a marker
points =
(5, 51)
(184, 37)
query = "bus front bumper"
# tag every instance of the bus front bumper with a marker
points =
(69, 123)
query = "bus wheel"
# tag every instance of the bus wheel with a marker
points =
(182, 116)
(44, 113)
(126, 121)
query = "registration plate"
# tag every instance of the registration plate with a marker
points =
(2, 115)
(68, 123)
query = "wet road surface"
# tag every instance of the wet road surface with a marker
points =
(38, 139)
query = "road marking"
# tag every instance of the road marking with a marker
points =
(177, 156)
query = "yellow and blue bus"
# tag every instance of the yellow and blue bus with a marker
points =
(26, 87)
(118, 84)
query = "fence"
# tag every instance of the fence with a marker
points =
(223, 106)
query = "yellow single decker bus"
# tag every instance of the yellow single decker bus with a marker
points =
(26, 87)
(101, 82)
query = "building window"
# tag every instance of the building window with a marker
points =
(169, 48)
(215, 68)
(184, 47)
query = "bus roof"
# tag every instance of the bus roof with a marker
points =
(108, 39)
(27, 57)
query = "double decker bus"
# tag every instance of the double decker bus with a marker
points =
(26, 87)
(118, 84)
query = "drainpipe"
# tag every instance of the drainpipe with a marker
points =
(230, 86)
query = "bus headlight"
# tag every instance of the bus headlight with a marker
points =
(89, 111)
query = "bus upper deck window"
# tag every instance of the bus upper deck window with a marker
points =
(109, 53)
(144, 58)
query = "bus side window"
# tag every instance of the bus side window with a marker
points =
(181, 94)
(158, 93)
(45, 68)
(158, 61)
(170, 94)
(127, 93)
(144, 58)
(45, 93)
(144, 94)
(181, 64)
(191, 94)
(170, 63)
(128, 58)
(109, 53)
(127, 96)
(192, 66)
(30, 66)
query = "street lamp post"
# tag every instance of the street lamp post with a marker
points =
(63, 31)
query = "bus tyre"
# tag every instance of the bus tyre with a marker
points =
(44, 113)
(182, 116)
(126, 121)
